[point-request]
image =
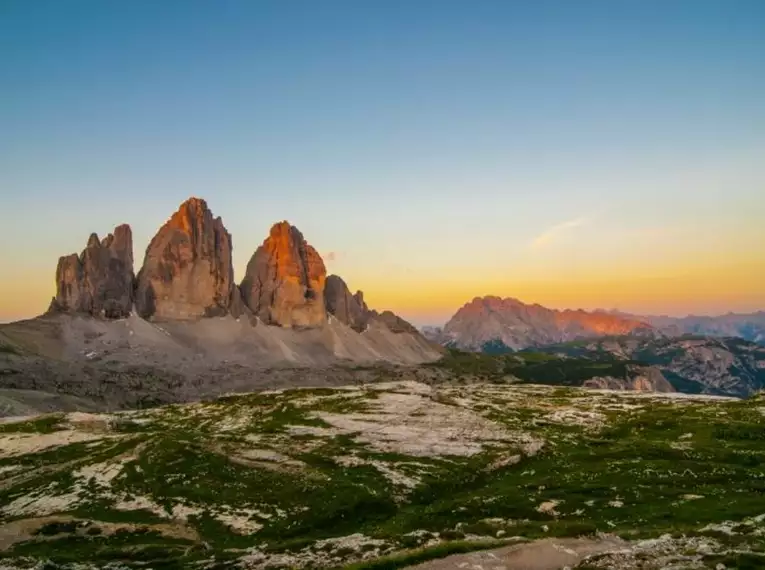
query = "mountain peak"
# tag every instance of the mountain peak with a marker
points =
(100, 280)
(187, 270)
(284, 280)
(519, 325)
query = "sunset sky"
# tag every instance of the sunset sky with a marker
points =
(585, 153)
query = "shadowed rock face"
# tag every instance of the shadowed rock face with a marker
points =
(99, 281)
(348, 309)
(284, 282)
(187, 272)
(353, 311)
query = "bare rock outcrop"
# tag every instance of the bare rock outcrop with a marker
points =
(345, 307)
(187, 272)
(394, 323)
(639, 379)
(285, 279)
(353, 311)
(98, 282)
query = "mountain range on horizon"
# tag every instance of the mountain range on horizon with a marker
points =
(513, 324)
(182, 327)
(187, 273)
(749, 326)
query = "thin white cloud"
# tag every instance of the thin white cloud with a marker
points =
(553, 234)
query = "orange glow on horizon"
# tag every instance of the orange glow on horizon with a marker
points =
(713, 289)
(737, 287)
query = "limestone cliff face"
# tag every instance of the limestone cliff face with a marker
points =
(518, 325)
(187, 272)
(639, 379)
(285, 279)
(347, 308)
(353, 311)
(98, 282)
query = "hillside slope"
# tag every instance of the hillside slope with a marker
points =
(131, 362)
(692, 364)
(322, 478)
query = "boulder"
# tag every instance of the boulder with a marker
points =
(284, 281)
(98, 282)
(187, 271)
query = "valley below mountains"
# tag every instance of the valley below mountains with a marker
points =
(620, 343)
(387, 475)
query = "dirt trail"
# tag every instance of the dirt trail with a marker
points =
(545, 554)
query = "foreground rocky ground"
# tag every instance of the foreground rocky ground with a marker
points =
(390, 475)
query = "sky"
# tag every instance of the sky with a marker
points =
(588, 154)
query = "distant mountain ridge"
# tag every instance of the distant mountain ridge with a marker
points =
(487, 322)
(708, 355)
(691, 363)
(749, 326)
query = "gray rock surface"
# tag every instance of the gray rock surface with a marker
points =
(639, 378)
(347, 308)
(284, 281)
(137, 363)
(352, 310)
(99, 281)
(187, 271)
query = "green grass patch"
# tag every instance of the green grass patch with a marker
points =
(8, 349)
(42, 424)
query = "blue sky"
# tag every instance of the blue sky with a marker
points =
(561, 152)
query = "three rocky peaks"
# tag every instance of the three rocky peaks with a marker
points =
(187, 274)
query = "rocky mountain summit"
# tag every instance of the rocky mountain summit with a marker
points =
(353, 311)
(187, 274)
(184, 312)
(99, 281)
(187, 271)
(516, 325)
(345, 307)
(284, 281)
